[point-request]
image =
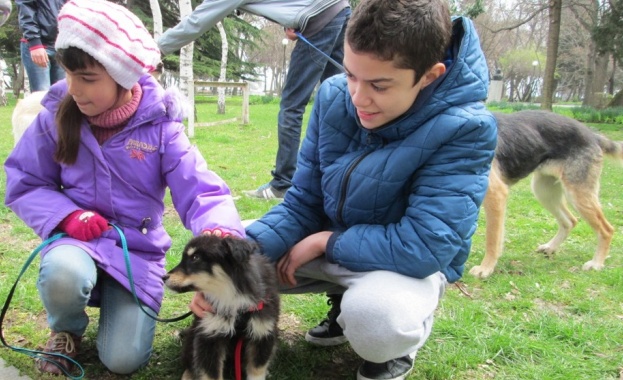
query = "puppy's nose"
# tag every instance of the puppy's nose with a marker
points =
(165, 277)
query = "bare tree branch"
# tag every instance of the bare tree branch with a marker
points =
(522, 22)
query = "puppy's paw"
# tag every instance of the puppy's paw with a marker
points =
(187, 375)
(592, 265)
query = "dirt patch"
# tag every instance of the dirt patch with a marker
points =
(8, 238)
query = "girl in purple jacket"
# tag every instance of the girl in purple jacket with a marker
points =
(102, 152)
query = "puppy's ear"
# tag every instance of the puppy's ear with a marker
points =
(237, 248)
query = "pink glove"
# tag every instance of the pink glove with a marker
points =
(84, 225)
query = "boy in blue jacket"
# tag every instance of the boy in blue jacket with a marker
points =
(390, 178)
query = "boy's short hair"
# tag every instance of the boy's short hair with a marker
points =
(413, 33)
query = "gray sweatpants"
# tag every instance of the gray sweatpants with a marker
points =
(385, 315)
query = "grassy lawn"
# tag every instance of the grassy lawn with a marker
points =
(534, 318)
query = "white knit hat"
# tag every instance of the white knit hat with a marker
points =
(112, 35)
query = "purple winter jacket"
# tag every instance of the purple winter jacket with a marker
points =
(125, 181)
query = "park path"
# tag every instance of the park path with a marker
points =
(10, 372)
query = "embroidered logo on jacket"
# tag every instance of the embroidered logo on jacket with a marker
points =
(138, 149)
(135, 153)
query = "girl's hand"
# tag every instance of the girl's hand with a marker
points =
(216, 232)
(303, 252)
(84, 225)
(199, 306)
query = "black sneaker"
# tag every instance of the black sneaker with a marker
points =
(395, 369)
(328, 332)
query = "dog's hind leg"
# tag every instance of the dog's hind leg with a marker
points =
(585, 199)
(548, 190)
(494, 206)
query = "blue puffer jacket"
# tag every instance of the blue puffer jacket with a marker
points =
(403, 197)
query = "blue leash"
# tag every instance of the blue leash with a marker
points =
(126, 256)
(42, 354)
(35, 353)
(333, 61)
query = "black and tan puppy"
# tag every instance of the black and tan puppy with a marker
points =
(241, 286)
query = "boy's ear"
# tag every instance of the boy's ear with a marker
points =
(433, 73)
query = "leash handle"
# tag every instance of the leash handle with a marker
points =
(333, 61)
(35, 353)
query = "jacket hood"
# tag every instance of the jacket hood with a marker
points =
(156, 102)
(466, 80)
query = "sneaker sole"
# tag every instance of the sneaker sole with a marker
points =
(326, 342)
(400, 377)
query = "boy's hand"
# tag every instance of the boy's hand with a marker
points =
(199, 306)
(305, 251)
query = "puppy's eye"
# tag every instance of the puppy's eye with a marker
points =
(194, 258)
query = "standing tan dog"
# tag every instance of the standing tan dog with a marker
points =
(565, 158)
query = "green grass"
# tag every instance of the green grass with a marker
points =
(535, 318)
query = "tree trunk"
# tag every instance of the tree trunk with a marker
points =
(611, 79)
(587, 100)
(599, 81)
(21, 82)
(187, 82)
(157, 16)
(223, 74)
(553, 36)
(590, 73)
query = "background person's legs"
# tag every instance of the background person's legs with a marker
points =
(306, 69)
(38, 77)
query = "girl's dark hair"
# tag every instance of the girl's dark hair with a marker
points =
(413, 33)
(68, 116)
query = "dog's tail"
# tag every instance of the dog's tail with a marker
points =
(611, 148)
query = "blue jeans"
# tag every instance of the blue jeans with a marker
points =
(67, 276)
(307, 67)
(41, 78)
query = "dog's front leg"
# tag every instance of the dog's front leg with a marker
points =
(210, 346)
(209, 357)
(189, 376)
(258, 354)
